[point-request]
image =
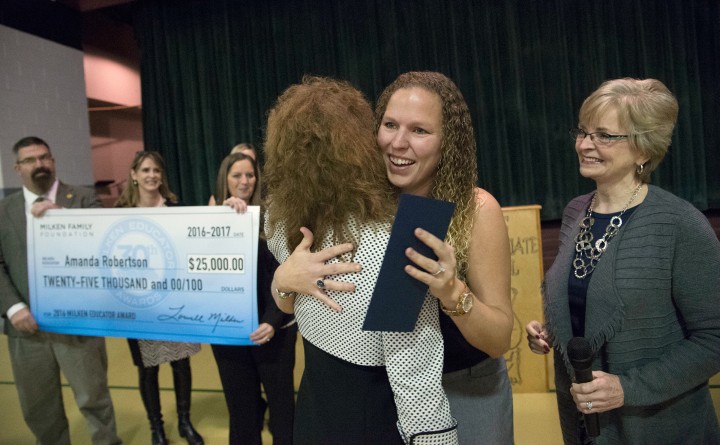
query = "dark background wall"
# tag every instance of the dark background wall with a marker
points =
(49, 20)
(211, 70)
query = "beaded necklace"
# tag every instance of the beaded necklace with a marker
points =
(583, 241)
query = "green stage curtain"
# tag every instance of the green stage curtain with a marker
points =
(211, 69)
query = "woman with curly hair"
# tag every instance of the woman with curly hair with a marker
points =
(426, 139)
(147, 187)
(323, 173)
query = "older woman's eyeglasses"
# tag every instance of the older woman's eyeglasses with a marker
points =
(598, 138)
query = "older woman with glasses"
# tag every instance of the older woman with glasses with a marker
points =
(637, 277)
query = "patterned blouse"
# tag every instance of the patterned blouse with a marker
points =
(413, 360)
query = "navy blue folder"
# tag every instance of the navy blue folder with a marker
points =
(398, 297)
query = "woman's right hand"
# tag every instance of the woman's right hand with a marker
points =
(538, 337)
(303, 269)
(238, 204)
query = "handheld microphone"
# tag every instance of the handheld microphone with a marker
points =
(581, 358)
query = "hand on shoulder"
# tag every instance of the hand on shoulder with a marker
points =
(485, 201)
(489, 218)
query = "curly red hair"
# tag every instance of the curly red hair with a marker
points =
(322, 162)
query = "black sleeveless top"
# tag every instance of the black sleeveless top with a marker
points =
(459, 354)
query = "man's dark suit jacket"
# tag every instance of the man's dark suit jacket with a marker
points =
(13, 245)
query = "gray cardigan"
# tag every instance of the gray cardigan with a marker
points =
(653, 319)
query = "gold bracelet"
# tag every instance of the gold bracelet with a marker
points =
(285, 295)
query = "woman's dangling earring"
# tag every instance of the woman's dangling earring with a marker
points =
(135, 182)
(640, 169)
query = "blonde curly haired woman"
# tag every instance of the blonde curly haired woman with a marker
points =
(426, 140)
(323, 173)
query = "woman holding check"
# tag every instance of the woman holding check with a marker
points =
(271, 361)
(147, 187)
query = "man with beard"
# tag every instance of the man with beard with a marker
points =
(38, 357)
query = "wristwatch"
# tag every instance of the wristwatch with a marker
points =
(463, 307)
(284, 295)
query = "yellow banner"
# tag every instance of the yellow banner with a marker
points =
(528, 371)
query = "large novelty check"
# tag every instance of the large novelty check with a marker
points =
(170, 273)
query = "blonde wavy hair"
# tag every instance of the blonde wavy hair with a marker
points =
(243, 147)
(130, 197)
(322, 163)
(456, 176)
(646, 109)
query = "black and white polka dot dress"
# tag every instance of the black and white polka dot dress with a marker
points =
(413, 360)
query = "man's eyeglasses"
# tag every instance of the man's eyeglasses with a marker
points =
(598, 138)
(32, 160)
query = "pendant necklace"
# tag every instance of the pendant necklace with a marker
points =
(583, 241)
